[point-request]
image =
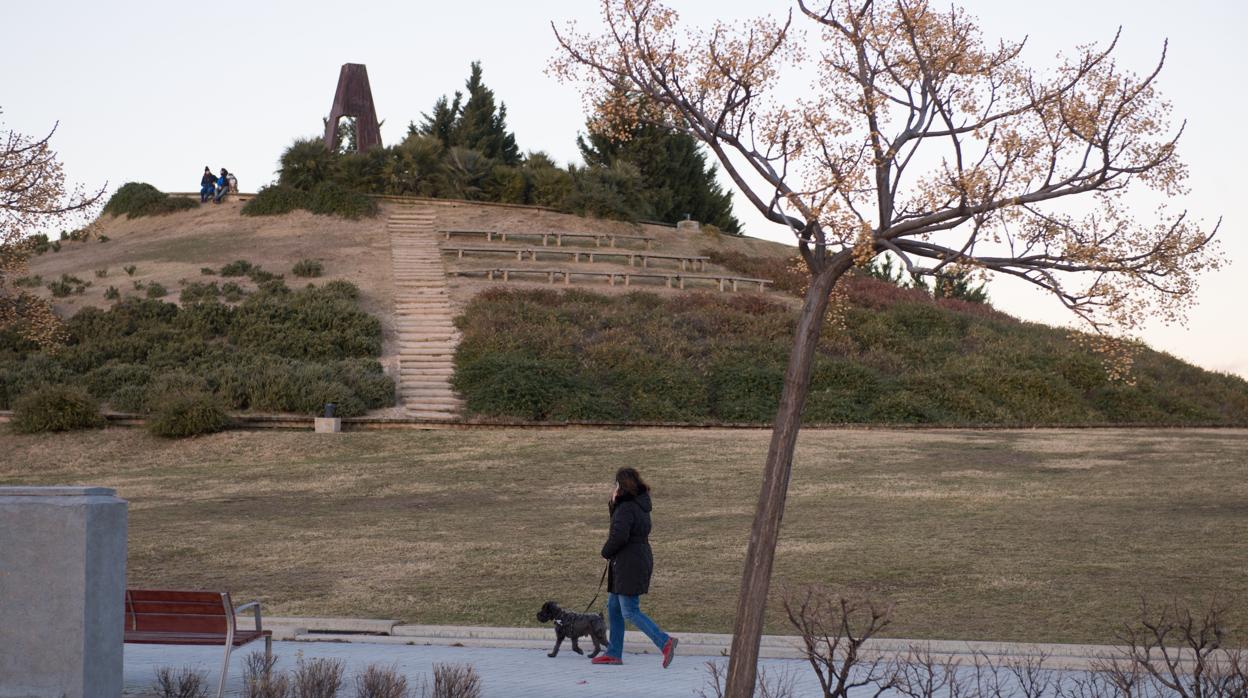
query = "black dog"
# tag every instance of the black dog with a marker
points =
(573, 625)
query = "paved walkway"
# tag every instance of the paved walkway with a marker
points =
(509, 673)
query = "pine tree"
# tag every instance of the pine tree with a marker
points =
(676, 176)
(441, 123)
(476, 124)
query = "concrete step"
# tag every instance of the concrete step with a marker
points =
(437, 416)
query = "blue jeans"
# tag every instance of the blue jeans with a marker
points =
(621, 608)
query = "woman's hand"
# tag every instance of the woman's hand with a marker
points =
(615, 492)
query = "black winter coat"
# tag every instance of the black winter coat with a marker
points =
(628, 545)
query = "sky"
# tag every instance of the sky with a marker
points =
(154, 91)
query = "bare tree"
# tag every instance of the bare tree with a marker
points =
(33, 195)
(916, 137)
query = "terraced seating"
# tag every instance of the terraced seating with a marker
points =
(610, 238)
(691, 262)
(672, 279)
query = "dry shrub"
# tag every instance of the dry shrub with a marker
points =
(456, 681)
(834, 628)
(777, 685)
(1171, 650)
(259, 681)
(180, 683)
(317, 678)
(377, 681)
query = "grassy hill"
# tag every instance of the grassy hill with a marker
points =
(614, 354)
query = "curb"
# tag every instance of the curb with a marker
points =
(390, 632)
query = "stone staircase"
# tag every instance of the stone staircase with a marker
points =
(427, 338)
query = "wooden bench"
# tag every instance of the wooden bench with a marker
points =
(598, 238)
(693, 262)
(553, 275)
(164, 617)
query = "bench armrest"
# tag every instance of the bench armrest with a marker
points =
(255, 606)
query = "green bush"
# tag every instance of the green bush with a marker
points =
(112, 293)
(101, 273)
(130, 269)
(330, 199)
(239, 267)
(34, 281)
(232, 292)
(276, 200)
(282, 351)
(207, 271)
(135, 199)
(199, 292)
(55, 408)
(155, 290)
(721, 357)
(307, 268)
(189, 414)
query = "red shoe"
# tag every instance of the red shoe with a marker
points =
(669, 651)
(606, 659)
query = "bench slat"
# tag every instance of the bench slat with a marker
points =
(179, 622)
(241, 637)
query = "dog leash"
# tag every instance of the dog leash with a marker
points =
(599, 590)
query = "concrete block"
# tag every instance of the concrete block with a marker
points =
(688, 226)
(62, 592)
(328, 425)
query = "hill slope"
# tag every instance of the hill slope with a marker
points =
(652, 353)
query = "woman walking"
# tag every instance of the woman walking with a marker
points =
(631, 562)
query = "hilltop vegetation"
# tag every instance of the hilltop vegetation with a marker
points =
(892, 355)
(463, 149)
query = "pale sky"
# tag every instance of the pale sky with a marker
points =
(154, 91)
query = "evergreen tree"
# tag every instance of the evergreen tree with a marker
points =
(476, 124)
(676, 176)
(441, 123)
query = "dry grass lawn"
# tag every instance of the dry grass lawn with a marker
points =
(1005, 535)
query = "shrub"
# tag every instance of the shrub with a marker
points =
(155, 290)
(55, 408)
(130, 269)
(29, 281)
(60, 289)
(276, 200)
(199, 292)
(180, 683)
(103, 238)
(232, 292)
(187, 414)
(456, 681)
(101, 273)
(378, 681)
(259, 679)
(135, 199)
(330, 199)
(305, 164)
(112, 293)
(207, 271)
(239, 267)
(317, 678)
(306, 268)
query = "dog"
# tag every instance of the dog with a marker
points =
(574, 625)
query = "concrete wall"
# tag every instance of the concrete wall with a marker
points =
(62, 591)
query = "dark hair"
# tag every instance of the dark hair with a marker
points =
(630, 481)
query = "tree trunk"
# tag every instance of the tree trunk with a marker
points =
(756, 580)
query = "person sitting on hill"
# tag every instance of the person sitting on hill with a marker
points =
(223, 186)
(207, 185)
